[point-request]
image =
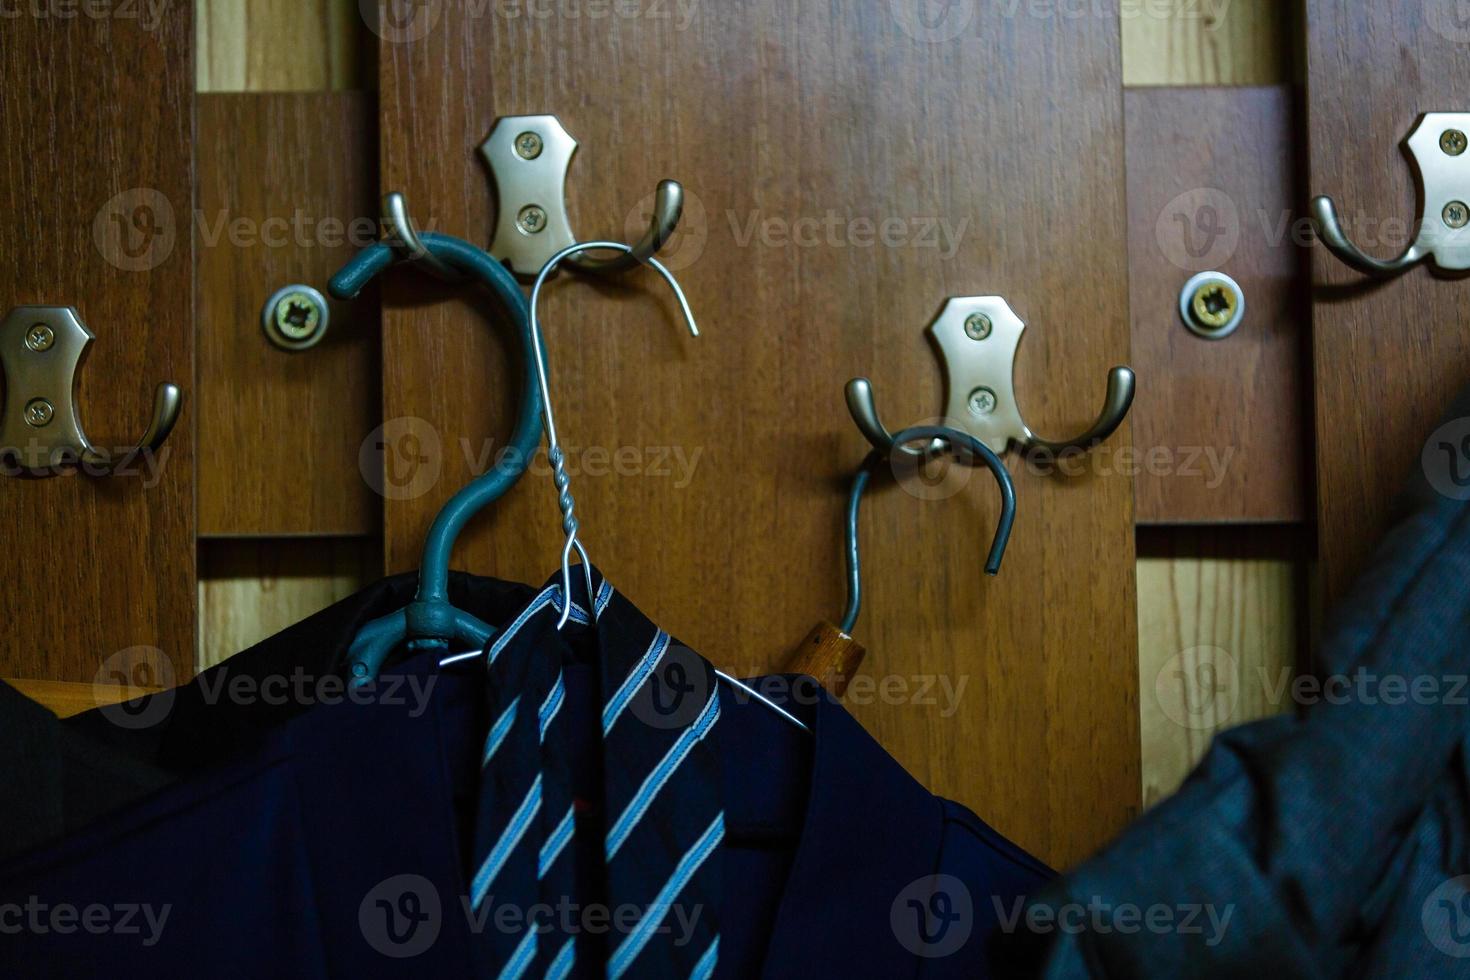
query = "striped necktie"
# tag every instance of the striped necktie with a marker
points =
(658, 824)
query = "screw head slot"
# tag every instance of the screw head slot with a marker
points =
(39, 413)
(529, 145)
(532, 219)
(978, 326)
(1212, 305)
(982, 402)
(296, 318)
(40, 337)
(1453, 142)
(1456, 214)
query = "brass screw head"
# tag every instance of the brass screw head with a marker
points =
(982, 401)
(1453, 142)
(529, 145)
(978, 326)
(40, 337)
(39, 413)
(1214, 304)
(1456, 214)
(532, 219)
(297, 315)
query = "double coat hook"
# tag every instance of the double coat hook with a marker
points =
(979, 337)
(529, 157)
(1438, 148)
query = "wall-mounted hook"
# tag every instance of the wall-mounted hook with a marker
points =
(402, 234)
(41, 348)
(529, 157)
(1438, 147)
(979, 337)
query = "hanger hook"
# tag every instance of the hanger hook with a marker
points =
(403, 236)
(1332, 234)
(564, 499)
(963, 445)
(668, 208)
(1122, 385)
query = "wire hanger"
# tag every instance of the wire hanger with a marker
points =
(430, 622)
(562, 480)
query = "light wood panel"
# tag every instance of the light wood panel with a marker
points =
(281, 46)
(251, 590)
(287, 194)
(98, 164)
(1220, 628)
(1206, 42)
(772, 112)
(67, 698)
(1389, 356)
(1221, 426)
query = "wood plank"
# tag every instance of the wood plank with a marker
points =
(1008, 140)
(1219, 639)
(67, 698)
(251, 590)
(1206, 42)
(281, 46)
(1389, 357)
(1220, 426)
(97, 193)
(280, 432)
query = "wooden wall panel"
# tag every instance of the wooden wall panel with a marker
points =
(1389, 356)
(1220, 426)
(999, 153)
(1206, 42)
(287, 194)
(282, 46)
(97, 164)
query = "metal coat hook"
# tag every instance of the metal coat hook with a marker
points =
(979, 337)
(41, 349)
(403, 236)
(1438, 148)
(529, 157)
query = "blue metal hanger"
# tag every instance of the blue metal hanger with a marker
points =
(934, 436)
(430, 622)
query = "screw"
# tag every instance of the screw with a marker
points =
(1453, 142)
(529, 145)
(1456, 214)
(982, 401)
(532, 219)
(297, 315)
(38, 413)
(40, 337)
(1214, 305)
(978, 326)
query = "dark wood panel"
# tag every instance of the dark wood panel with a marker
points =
(999, 154)
(97, 195)
(1388, 356)
(1220, 426)
(287, 193)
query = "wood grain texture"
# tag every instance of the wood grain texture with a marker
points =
(1220, 630)
(1221, 427)
(1389, 356)
(287, 194)
(251, 590)
(97, 169)
(281, 46)
(1206, 42)
(724, 520)
(67, 698)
